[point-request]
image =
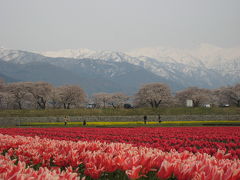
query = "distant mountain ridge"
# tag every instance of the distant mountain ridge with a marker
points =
(223, 64)
(109, 71)
(226, 61)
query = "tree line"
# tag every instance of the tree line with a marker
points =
(42, 95)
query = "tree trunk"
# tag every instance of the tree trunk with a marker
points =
(152, 104)
(68, 105)
(19, 105)
(157, 103)
(113, 106)
(238, 103)
(41, 103)
(196, 103)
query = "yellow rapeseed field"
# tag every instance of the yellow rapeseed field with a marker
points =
(127, 123)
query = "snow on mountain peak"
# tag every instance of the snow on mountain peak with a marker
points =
(159, 60)
(210, 64)
(212, 55)
(205, 54)
(8, 55)
(90, 54)
(70, 53)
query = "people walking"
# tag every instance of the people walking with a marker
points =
(65, 120)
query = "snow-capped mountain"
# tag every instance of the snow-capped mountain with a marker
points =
(205, 55)
(201, 62)
(91, 54)
(205, 66)
(18, 56)
(224, 60)
(93, 75)
(70, 53)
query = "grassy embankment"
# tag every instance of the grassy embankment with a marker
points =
(120, 112)
(125, 112)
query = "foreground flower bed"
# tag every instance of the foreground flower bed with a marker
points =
(194, 139)
(34, 157)
(9, 169)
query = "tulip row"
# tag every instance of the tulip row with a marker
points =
(9, 169)
(194, 139)
(103, 160)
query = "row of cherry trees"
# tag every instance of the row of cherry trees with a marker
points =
(42, 95)
(39, 95)
(156, 94)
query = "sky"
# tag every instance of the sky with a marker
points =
(43, 25)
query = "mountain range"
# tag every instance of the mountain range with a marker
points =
(205, 66)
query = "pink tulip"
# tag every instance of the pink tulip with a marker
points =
(134, 173)
(165, 171)
(99, 157)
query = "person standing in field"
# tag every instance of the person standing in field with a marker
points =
(145, 119)
(159, 118)
(65, 120)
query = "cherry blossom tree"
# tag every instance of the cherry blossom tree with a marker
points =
(40, 92)
(153, 95)
(71, 95)
(199, 96)
(101, 99)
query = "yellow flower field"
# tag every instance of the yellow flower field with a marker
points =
(126, 123)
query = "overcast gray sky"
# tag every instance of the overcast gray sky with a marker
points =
(41, 25)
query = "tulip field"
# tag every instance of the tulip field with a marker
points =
(182, 153)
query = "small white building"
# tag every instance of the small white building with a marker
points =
(189, 103)
(207, 105)
(91, 105)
